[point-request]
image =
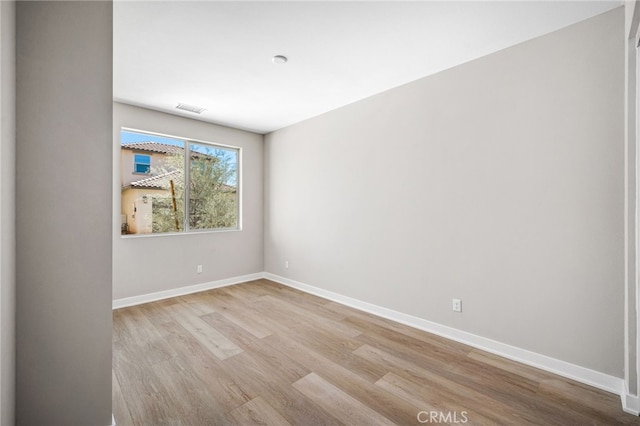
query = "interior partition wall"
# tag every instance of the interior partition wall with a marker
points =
(63, 204)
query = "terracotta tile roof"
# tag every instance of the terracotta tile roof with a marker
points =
(159, 181)
(162, 181)
(154, 147)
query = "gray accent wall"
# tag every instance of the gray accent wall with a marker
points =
(63, 212)
(150, 264)
(7, 212)
(499, 182)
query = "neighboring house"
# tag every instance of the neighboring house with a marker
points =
(145, 175)
(146, 178)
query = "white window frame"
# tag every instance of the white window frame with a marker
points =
(185, 220)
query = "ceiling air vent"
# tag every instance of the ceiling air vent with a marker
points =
(191, 108)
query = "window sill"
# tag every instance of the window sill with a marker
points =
(172, 234)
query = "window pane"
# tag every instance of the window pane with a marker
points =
(213, 187)
(167, 216)
(153, 203)
(142, 168)
(142, 159)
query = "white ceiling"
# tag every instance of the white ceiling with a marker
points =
(217, 55)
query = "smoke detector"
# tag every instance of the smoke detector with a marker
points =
(279, 59)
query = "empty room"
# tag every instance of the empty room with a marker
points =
(319, 213)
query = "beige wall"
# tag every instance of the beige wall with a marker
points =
(126, 165)
(139, 214)
(499, 182)
(149, 264)
(64, 177)
(7, 212)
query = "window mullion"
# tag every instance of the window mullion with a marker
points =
(187, 187)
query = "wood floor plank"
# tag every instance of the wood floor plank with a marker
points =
(524, 371)
(410, 344)
(583, 399)
(191, 402)
(268, 358)
(337, 349)
(483, 400)
(139, 326)
(141, 332)
(157, 312)
(250, 290)
(288, 294)
(200, 304)
(438, 363)
(278, 393)
(432, 399)
(341, 405)
(453, 366)
(306, 301)
(263, 353)
(145, 395)
(370, 323)
(395, 409)
(308, 317)
(119, 405)
(206, 366)
(475, 402)
(258, 412)
(239, 313)
(210, 338)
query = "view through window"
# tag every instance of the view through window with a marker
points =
(171, 185)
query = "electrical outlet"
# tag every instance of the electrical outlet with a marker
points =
(286, 264)
(199, 269)
(457, 305)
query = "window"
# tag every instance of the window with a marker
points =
(141, 163)
(213, 184)
(191, 185)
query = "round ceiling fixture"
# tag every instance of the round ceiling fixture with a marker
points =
(279, 59)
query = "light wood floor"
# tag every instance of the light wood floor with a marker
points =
(262, 353)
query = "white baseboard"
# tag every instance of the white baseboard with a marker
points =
(152, 297)
(630, 403)
(562, 368)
